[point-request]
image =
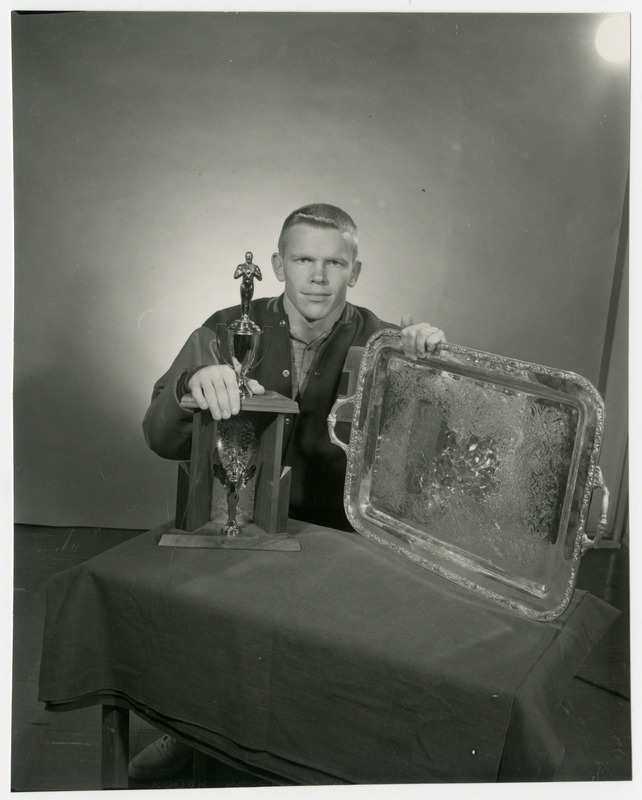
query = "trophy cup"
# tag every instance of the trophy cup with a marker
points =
(235, 450)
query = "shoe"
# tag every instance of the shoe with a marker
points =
(160, 759)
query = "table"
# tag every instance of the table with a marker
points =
(341, 663)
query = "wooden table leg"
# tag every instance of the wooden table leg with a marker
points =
(115, 747)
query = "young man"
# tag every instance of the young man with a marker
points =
(313, 328)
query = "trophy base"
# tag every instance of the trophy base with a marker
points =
(231, 529)
(272, 480)
(250, 537)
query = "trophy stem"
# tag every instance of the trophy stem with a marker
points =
(232, 528)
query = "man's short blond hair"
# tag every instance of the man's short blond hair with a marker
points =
(321, 215)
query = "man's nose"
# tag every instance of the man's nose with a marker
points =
(319, 272)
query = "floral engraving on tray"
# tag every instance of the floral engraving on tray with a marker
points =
(469, 465)
(480, 466)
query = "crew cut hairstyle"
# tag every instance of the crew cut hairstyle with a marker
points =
(323, 216)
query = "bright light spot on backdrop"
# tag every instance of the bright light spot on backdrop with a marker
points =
(613, 38)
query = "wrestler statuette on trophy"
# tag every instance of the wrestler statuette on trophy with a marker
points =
(247, 271)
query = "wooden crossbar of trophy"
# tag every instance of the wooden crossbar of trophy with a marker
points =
(232, 461)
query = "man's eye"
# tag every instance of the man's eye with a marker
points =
(303, 260)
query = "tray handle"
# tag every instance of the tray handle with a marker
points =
(598, 483)
(332, 421)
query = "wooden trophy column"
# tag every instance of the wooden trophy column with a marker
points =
(272, 487)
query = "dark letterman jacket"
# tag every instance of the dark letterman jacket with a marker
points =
(318, 466)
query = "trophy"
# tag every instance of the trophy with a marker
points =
(235, 450)
(236, 438)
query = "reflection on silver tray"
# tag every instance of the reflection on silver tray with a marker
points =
(478, 467)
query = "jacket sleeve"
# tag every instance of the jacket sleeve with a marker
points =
(167, 426)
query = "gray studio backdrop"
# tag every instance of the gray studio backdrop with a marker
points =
(484, 158)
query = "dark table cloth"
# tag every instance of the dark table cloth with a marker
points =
(339, 663)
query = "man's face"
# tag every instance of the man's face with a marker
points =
(317, 266)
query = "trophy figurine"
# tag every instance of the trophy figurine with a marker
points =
(248, 271)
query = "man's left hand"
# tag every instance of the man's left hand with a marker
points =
(421, 339)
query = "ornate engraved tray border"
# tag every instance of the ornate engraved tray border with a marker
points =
(476, 466)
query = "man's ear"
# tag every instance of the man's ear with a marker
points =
(354, 274)
(277, 266)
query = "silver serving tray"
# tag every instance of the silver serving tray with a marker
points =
(478, 467)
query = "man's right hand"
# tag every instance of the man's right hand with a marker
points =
(215, 387)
